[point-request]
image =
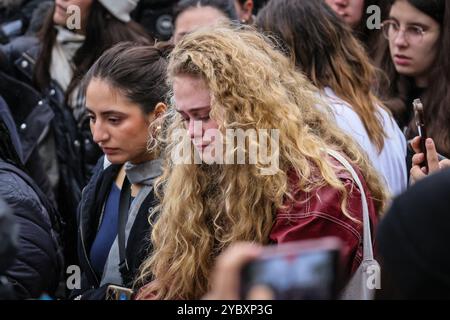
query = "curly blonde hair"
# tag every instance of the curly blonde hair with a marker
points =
(206, 208)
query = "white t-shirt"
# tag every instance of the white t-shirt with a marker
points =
(390, 162)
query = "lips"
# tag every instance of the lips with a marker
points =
(402, 60)
(110, 151)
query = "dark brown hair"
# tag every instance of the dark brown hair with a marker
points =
(436, 97)
(325, 49)
(102, 32)
(224, 6)
(139, 72)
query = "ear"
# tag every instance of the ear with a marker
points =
(248, 9)
(159, 110)
(248, 6)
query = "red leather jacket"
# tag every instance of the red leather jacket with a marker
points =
(318, 214)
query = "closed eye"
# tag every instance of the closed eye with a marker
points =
(114, 121)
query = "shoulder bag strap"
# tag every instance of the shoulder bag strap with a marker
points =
(124, 206)
(367, 237)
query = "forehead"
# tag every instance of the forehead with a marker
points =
(101, 97)
(80, 3)
(403, 11)
(190, 93)
(197, 17)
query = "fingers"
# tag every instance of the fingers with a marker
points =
(415, 144)
(432, 156)
(417, 173)
(417, 159)
(444, 164)
(226, 276)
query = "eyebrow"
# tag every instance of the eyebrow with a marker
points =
(423, 26)
(194, 110)
(106, 113)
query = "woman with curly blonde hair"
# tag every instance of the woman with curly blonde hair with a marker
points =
(234, 79)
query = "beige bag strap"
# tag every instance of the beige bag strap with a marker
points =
(367, 236)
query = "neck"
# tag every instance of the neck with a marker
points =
(421, 82)
(143, 158)
(135, 188)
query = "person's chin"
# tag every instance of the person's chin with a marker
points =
(115, 159)
(404, 70)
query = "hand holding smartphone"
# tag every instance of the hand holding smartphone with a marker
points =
(304, 270)
(114, 292)
(421, 128)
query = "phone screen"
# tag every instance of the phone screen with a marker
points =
(294, 274)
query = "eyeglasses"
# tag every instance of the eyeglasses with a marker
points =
(412, 34)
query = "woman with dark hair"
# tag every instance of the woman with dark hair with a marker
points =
(125, 98)
(356, 14)
(75, 33)
(326, 51)
(190, 15)
(417, 64)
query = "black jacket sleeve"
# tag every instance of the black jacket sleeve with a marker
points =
(36, 269)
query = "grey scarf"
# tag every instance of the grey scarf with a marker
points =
(144, 174)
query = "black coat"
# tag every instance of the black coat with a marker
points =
(413, 242)
(31, 115)
(89, 212)
(76, 152)
(38, 265)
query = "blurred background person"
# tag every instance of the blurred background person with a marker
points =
(38, 265)
(355, 14)
(21, 16)
(413, 242)
(54, 63)
(417, 65)
(8, 248)
(156, 16)
(326, 51)
(190, 15)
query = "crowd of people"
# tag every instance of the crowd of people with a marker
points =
(159, 146)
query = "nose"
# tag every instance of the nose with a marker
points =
(99, 133)
(400, 39)
(340, 3)
(195, 130)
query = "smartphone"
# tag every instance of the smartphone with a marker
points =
(421, 128)
(304, 270)
(114, 292)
